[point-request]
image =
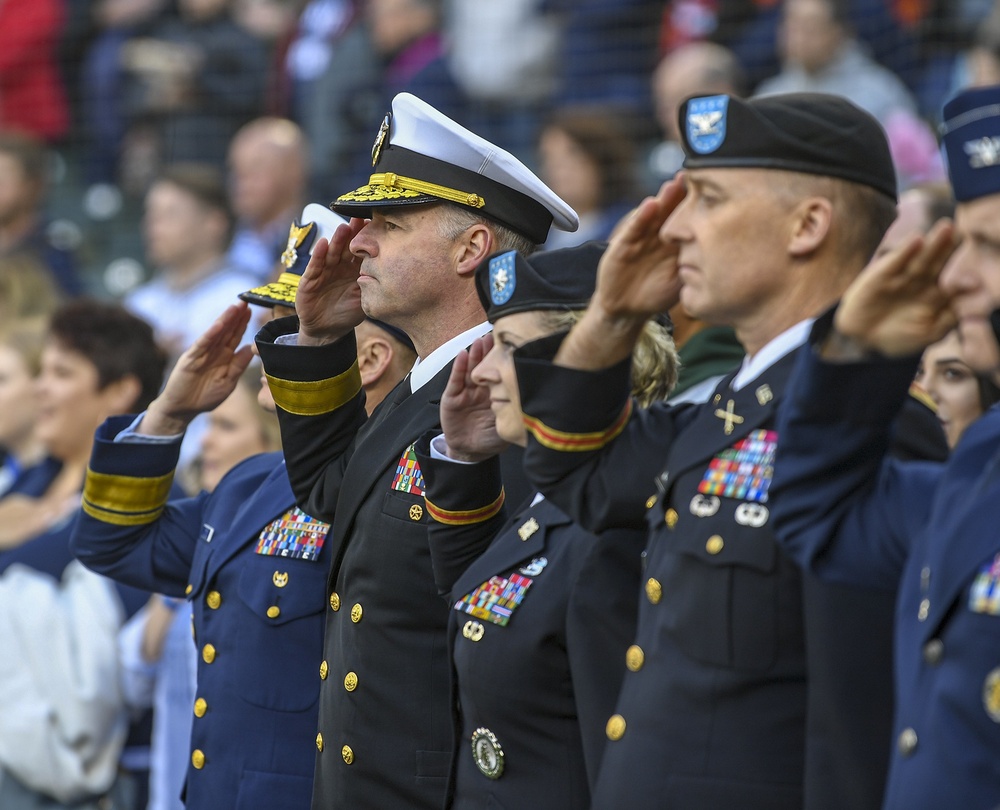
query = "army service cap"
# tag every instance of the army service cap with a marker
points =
(316, 221)
(421, 156)
(971, 137)
(813, 133)
(553, 279)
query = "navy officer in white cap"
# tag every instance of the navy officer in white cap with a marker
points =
(841, 508)
(439, 201)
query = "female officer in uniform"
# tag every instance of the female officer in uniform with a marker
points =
(542, 615)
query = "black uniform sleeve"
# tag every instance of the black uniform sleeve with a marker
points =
(321, 408)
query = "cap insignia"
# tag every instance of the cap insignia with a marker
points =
(983, 152)
(502, 278)
(296, 236)
(706, 123)
(383, 133)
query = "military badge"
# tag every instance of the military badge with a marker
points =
(984, 595)
(991, 694)
(473, 630)
(495, 601)
(704, 505)
(706, 123)
(295, 534)
(754, 515)
(487, 752)
(380, 138)
(408, 477)
(535, 567)
(502, 278)
(528, 528)
(296, 236)
(982, 152)
(744, 470)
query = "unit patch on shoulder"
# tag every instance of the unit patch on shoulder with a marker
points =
(295, 534)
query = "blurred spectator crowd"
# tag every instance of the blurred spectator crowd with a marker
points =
(280, 98)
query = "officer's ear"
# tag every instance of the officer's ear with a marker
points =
(375, 355)
(473, 246)
(811, 222)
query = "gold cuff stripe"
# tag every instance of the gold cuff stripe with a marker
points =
(127, 493)
(316, 397)
(291, 279)
(468, 517)
(921, 395)
(390, 180)
(121, 518)
(576, 442)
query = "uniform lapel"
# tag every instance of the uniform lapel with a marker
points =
(972, 541)
(533, 525)
(753, 406)
(255, 513)
(398, 425)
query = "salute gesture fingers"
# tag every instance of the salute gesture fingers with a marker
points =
(328, 299)
(895, 306)
(466, 416)
(636, 279)
(637, 276)
(204, 376)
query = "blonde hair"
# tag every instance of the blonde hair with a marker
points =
(655, 363)
(27, 288)
(27, 337)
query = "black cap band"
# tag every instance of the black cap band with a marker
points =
(510, 208)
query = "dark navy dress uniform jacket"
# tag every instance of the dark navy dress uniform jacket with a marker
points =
(258, 618)
(715, 715)
(385, 733)
(544, 683)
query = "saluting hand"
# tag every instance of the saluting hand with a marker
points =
(895, 306)
(204, 376)
(466, 417)
(328, 299)
(637, 276)
(636, 279)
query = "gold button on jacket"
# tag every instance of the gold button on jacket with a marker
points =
(200, 707)
(208, 653)
(335, 601)
(198, 758)
(616, 727)
(213, 599)
(654, 591)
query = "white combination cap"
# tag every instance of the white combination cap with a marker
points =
(421, 156)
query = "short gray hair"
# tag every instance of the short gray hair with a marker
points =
(455, 220)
